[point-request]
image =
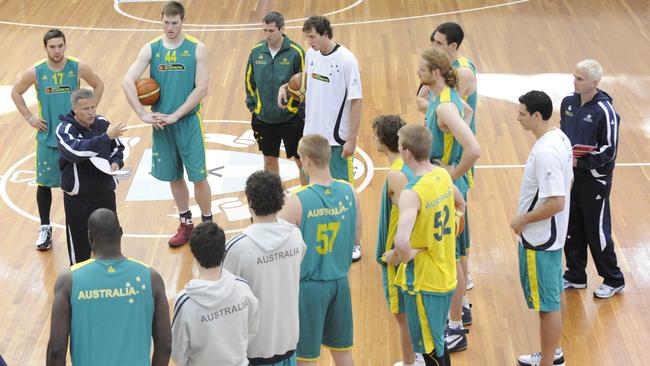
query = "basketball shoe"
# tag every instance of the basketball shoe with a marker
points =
(182, 235)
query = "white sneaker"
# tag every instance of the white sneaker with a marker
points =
(605, 292)
(356, 252)
(536, 358)
(419, 361)
(44, 241)
(470, 284)
(569, 284)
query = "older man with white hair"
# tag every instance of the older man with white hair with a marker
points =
(589, 120)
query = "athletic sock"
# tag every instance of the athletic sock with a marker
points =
(44, 203)
(207, 217)
(455, 324)
(465, 302)
(186, 217)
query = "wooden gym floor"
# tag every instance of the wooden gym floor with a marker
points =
(517, 46)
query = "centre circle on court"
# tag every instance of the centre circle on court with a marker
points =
(118, 9)
(230, 159)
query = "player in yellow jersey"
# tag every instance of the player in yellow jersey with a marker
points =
(426, 245)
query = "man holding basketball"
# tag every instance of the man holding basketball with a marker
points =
(271, 63)
(54, 78)
(333, 100)
(179, 63)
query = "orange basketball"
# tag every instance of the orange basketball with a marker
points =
(297, 86)
(148, 91)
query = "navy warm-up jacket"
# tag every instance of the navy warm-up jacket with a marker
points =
(77, 144)
(594, 124)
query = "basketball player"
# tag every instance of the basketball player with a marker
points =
(326, 211)
(425, 242)
(215, 315)
(54, 78)
(456, 149)
(179, 63)
(110, 307)
(541, 222)
(268, 255)
(385, 128)
(448, 37)
(589, 119)
(271, 63)
(333, 100)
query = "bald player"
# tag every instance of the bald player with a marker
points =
(110, 306)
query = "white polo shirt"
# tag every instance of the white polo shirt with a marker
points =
(333, 80)
(548, 173)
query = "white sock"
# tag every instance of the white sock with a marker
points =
(558, 350)
(455, 324)
(465, 302)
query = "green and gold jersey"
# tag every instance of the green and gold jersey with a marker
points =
(53, 90)
(389, 213)
(445, 147)
(433, 270)
(112, 313)
(328, 226)
(175, 72)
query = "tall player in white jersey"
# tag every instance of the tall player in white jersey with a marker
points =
(541, 223)
(333, 98)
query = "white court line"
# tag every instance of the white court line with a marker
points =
(480, 8)
(511, 166)
(116, 7)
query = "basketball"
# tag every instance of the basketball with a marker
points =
(148, 91)
(297, 86)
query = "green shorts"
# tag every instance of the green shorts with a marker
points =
(426, 315)
(341, 168)
(462, 241)
(47, 165)
(394, 296)
(325, 310)
(540, 273)
(179, 145)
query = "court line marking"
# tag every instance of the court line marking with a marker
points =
(116, 7)
(370, 169)
(511, 166)
(203, 29)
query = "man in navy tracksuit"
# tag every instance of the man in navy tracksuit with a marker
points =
(589, 120)
(89, 150)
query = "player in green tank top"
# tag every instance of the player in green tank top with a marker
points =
(179, 63)
(448, 37)
(110, 306)
(54, 78)
(326, 212)
(385, 130)
(436, 72)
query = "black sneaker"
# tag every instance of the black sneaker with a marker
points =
(467, 315)
(456, 339)
(44, 241)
